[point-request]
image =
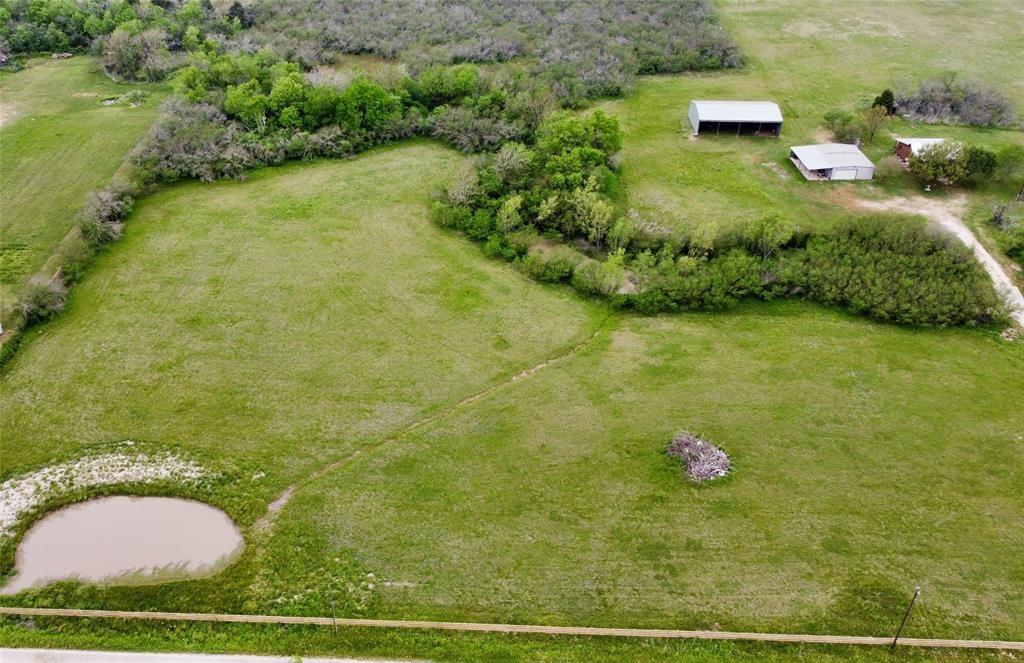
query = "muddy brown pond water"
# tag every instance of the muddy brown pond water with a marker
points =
(126, 539)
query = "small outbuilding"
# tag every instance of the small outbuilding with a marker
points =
(832, 161)
(735, 117)
(907, 147)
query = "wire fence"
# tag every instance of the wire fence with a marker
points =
(534, 629)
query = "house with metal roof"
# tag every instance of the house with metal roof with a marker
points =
(907, 147)
(832, 161)
(735, 117)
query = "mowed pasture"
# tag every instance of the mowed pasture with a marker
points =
(58, 142)
(284, 320)
(868, 460)
(810, 57)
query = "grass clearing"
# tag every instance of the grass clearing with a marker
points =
(58, 144)
(854, 450)
(810, 57)
(284, 319)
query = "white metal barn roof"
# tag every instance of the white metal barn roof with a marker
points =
(918, 144)
(831, 155)
(737, 111)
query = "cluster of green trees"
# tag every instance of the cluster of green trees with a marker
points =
(238, 111)
(265, 93)
(952, 162)
(137, 40)
(30, 26)
(559, 184)
(548, 205)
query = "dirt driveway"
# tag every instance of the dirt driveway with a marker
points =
(947, 214)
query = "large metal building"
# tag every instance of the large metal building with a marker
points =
(832, 161)
(735, 117)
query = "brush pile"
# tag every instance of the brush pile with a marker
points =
(703, 460)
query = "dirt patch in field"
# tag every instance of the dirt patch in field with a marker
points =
(822, 135)
(544, 245)
(843, 29)
(7, 114)
(777, 169)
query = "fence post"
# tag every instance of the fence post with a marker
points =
(917, 592)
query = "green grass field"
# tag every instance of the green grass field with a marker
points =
(809, 57)
(855, 450)
(337, 316)
(312, 310)
(309, 308)
(57, 144)
(284, 322)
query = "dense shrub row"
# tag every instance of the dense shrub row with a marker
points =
(579, 47)
(547, 208)
(950, 100)
(237, 112)
(894, 272)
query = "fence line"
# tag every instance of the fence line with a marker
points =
(535, 629)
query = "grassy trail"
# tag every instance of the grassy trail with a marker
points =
(266, 522)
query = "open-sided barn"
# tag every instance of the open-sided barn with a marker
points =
(735, 117)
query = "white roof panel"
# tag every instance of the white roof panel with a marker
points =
(737, 111)
(831, 155)
(918, 144)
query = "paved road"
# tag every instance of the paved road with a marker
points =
(75, 656)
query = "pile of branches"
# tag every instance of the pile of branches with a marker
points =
(703, 460)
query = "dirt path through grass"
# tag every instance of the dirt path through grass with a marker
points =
(7, 113)
(267, 521)
(947, 215)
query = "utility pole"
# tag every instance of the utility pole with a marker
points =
(917, 592)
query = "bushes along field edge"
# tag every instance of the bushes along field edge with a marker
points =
(546, 172)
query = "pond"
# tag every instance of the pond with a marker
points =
(126, 539)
